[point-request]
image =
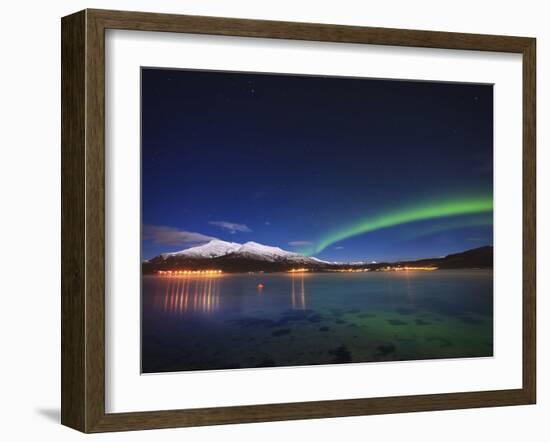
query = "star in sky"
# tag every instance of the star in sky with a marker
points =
(323, 159)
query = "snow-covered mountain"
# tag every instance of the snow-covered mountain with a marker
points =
(233, 257)
(250, 250)
(211, 249)
(268, 253)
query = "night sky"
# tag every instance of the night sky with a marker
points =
(339, 168)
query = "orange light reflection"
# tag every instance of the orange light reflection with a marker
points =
(183, 295)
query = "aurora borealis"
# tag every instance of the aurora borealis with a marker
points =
(343, 169)
(442, 209)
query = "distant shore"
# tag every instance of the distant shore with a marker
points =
(479, 258)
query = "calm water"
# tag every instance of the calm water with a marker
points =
(206, 323)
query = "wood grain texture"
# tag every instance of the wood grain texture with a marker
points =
(83, 220)
(144, 21)
(308, 410)
(73, 255)
(529, 221)
(95, 222)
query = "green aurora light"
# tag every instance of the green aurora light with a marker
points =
(434, 210)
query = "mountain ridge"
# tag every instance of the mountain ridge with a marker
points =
(254, 257)
(217, 248)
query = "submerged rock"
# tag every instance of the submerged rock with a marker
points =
(444, 342)
(253, 322)
(315, 318)
(341, 355)
(385, 350)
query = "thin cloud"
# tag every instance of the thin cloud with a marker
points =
(300, 243)
(171, 236)
(338, 247)
(230, 227)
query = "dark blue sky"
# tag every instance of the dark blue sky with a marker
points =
(287, 160)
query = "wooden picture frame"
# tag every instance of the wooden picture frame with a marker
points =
(83, 220)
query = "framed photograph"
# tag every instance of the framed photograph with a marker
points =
(269, 220)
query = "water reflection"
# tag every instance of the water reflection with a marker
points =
(410, 291)
(298, 301)
(270, 320)
(181, 295)
(177, 296)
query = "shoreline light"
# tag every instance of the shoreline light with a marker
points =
(351, 270)
(189, 272)
(407, 268)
